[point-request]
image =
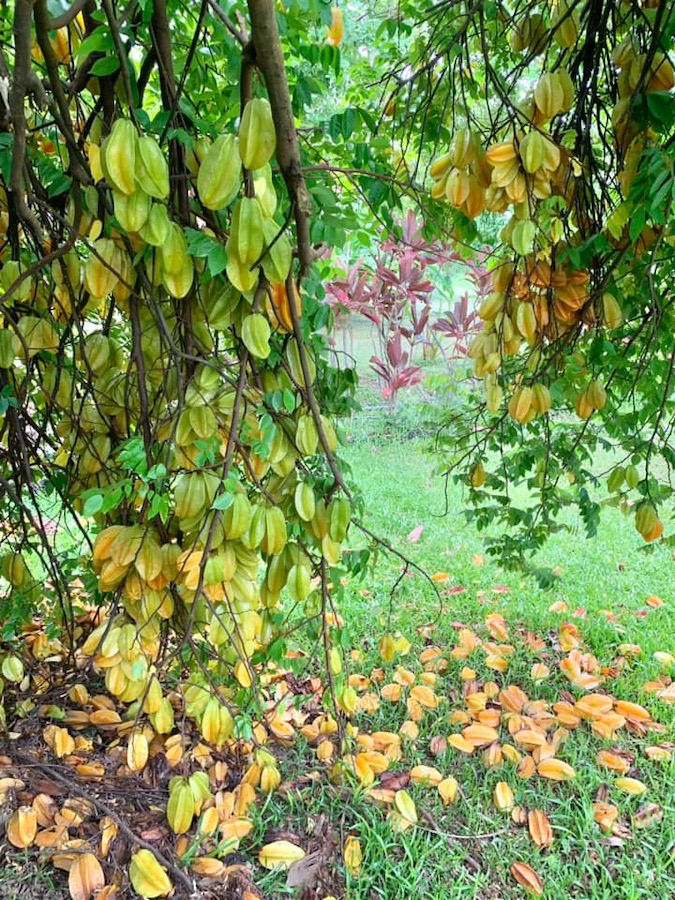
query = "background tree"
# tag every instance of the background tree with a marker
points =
(560, 119)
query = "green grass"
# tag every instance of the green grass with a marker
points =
(22, 879)
(465, 850)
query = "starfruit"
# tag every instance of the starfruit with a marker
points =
(540, 828)
(241, 275)
(448, 789)
(480, 735)
(21, 827)
(556, 770)
(119, 156)
(147, 877)
(219, 175)
(181, 806)
(549, 96)
(280, 854)
(593, 705)
(299, 583)
(305, 501)
(85, 877)
(276, 261)
(531, 150)
(137, 752)
(339, 516)
(102, 270)
(9, 347)
(503, 797)
(630, 785)
(246, 232)
(152, 170)
(527, 878)
(200, 788)
(174, 250)
(12, 669)
(426, 775)
(131, 210)
(353, 856)
(612, 315)
(155, 230)
(632, 710)
(294, 359)
(263, 185)
(257, 137)
(255, 334)
(307, 436)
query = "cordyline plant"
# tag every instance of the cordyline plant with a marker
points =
(395, 293)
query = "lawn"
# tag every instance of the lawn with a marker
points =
(612, 598)
(471, 645)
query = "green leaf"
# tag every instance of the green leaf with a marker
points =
(60, 185)
(6, 145)
(350, 119)
(661, 107)
(223, 501)
(92, 505)
(113, 499)
(105, 66)
(217, 260)
(100, 40)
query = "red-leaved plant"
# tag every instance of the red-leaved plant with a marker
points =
(395, 293)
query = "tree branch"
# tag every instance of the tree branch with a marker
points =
(23, 14)
(231, 27)
(67, 17)
(270, 61)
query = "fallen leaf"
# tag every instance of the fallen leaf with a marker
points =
(440, 577)
(612, 761)
(405, 806)
(647, 815)
(394, 781)
(207, 867)
(415, 534)
(438, 745)
(605, 814)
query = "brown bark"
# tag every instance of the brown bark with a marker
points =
(270, 60)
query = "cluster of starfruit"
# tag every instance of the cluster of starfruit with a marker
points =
(539, 297)
(129, 334)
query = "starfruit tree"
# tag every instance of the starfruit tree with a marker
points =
(555, 122)
(173, 508)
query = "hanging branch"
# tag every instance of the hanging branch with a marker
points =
(269, 58)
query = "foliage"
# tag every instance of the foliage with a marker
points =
(166, 395)
(396, 292)
(560, 119)
(177, 516)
